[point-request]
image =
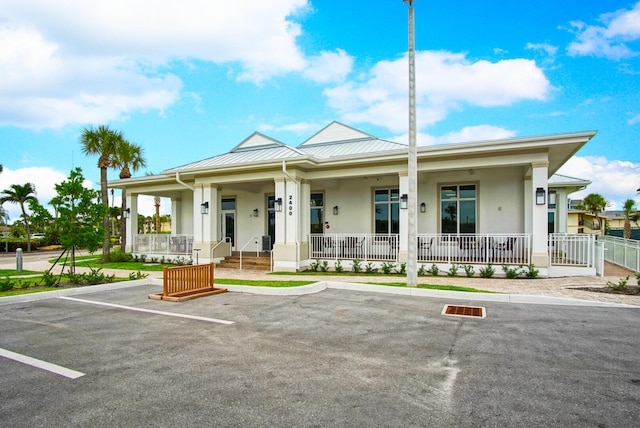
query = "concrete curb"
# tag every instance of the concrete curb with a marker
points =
(323, 285)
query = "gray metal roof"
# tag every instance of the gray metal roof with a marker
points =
(244, 156)
(559, 180)
(349, 148)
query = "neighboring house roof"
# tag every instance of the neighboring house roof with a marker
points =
(613, 215)
(559, 180)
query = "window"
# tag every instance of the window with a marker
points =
(387, 211)
(458, 209)
(552, 206)
(317, 213)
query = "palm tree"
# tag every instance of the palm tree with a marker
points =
(129, 157)
(105, 143)
(630, 209)
(20, 194)
(594, 203)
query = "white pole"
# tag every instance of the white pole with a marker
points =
(412, 206)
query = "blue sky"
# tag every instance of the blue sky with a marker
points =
(192, 79)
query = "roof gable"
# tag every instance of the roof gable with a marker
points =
(335, 132)
(256, 140)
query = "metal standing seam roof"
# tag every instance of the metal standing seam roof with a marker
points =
(244, 156)
(559, 179)
(349, 148)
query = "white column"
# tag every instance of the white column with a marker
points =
(286, 248)
(539, 220)
(280, 216)
(132, 221)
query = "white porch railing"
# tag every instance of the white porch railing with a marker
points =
(622, 252)
(149, 243)
(498, 249)
(512, 249)
(365, 247)
(572, 250)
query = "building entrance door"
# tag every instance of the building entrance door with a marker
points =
(228, 212)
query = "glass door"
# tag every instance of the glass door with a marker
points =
(228, 210)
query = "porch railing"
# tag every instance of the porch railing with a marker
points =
(622, 252)
(365, 247)
(572, 250)
(432, 248)
(499, 249)
(149, 243)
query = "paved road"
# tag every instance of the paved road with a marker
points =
(335, 358)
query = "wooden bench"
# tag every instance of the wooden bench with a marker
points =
(187, 282)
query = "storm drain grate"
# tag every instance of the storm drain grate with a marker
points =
(464, 311)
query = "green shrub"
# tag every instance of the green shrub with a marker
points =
(511, 273)
(48, 279)
(422, 271)
(387, 267)
(531, 272)
(356, 266)
(370, 268)
(137, 275)
(6, 284)
(338, 266)
(453, 270)
(314, 266)
(433, 270)
(119, 256)
(324, 266)
(469, 270)
(620, 286)
(487, 271)
(402, 270)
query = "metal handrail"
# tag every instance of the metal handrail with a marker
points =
(255, 240)
(225, 239)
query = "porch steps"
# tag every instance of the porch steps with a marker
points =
(250, 263)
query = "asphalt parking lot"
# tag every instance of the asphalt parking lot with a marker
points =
(334, 358)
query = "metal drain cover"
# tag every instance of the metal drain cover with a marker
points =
(464, 311)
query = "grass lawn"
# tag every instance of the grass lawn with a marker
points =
(261, 283)
(435, 287)
(13, 272)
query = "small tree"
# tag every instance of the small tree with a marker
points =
(80, 215)
(20, 194)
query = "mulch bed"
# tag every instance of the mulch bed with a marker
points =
(630, 290)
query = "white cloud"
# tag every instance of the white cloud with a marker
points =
(73, 61)
(465, 135)
(635, 119)
(616, 180)
(607, 40)
(43, 178)
(444, 82)
(297, 128)
(329, 67)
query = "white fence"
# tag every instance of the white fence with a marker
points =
(622, 252)
(572, 250)
(512, 249)
(149, 243)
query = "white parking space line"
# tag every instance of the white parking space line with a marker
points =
(148, 311)
(34, 362)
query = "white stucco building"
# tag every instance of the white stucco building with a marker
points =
(340, 195)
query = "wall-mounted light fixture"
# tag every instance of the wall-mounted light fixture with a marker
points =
(255, 212)
(126, 213)
(204, 208)
(403, 201)
(540, 196)
(423, 207)
(277, 205)
(335, 210)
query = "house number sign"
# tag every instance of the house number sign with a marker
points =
(290, 204)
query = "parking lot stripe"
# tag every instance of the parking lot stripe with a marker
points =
(148, 311)
(34, 362)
